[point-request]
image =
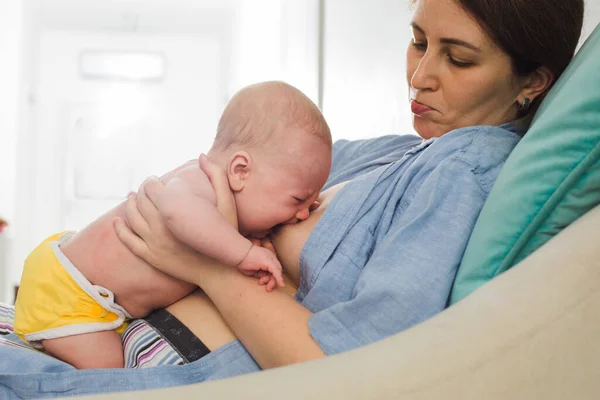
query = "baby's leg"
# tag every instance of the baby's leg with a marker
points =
(89, 350)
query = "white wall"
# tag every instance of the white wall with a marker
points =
(277, 40)
(591, 18)
(365, 90)
(165, 123)
(260, 40)
(11, 20)
(11, 44)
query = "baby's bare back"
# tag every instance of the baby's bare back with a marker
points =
(100, 256)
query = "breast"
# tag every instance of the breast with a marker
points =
(289, 240)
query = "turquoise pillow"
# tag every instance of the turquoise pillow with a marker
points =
(550, 179)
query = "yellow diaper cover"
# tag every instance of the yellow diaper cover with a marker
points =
(56, 300)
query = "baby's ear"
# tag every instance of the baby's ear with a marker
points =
(239, 170)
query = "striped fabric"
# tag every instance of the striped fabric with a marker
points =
(11, 343)
(7, 315)
(144, 347)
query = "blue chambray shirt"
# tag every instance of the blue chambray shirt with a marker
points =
(384, 254)
(381, 259)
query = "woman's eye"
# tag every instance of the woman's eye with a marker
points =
(460, 64)
(419, 46)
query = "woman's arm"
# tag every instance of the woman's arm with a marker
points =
(272, 326)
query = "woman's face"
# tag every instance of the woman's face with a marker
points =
(457, 76)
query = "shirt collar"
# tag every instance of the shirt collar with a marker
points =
(516, 127)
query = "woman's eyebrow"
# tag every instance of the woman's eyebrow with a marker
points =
(460, 43)
(417, 27)
(457, 42)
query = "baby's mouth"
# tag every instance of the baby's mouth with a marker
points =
(261, 235)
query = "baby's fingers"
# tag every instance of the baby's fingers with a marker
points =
(261, 274)
(271, 285)
(278, 277)
(314, 206)
(264, 279)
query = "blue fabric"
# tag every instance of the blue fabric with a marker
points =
(26, 373)
(384, 255)
(382, 258)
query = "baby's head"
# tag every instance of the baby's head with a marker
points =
(275, 146)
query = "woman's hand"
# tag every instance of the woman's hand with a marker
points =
(147, 236)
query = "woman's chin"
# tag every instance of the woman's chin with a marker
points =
(425, 128)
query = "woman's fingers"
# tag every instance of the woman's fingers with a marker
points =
(148, 195)
(135, 219)
(130, 239)
(153, 187)
(220, 184)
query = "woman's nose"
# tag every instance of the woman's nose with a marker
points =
(425, 75)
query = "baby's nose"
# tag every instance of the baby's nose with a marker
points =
(303, 214)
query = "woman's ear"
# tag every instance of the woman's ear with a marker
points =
(538, 82)
(239, 170)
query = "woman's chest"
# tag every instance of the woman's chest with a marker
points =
(334, 281)
(353, 232)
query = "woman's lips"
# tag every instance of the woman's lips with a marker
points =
(418, 108)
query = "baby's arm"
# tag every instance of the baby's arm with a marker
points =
(188, 205)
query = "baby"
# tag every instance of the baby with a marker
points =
(79, 290)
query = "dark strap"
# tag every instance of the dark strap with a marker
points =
(181, 338)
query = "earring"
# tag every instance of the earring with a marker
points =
(525, 105)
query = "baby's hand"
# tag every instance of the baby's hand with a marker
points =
(259, 261)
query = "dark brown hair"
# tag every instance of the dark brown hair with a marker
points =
(533, 33)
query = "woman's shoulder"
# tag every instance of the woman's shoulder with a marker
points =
(479, 145)
(375, 146)
(352, 158)
(481, 135)
(483, 150)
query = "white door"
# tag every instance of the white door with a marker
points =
(99, 166)
(99, 139)
(92, 141)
